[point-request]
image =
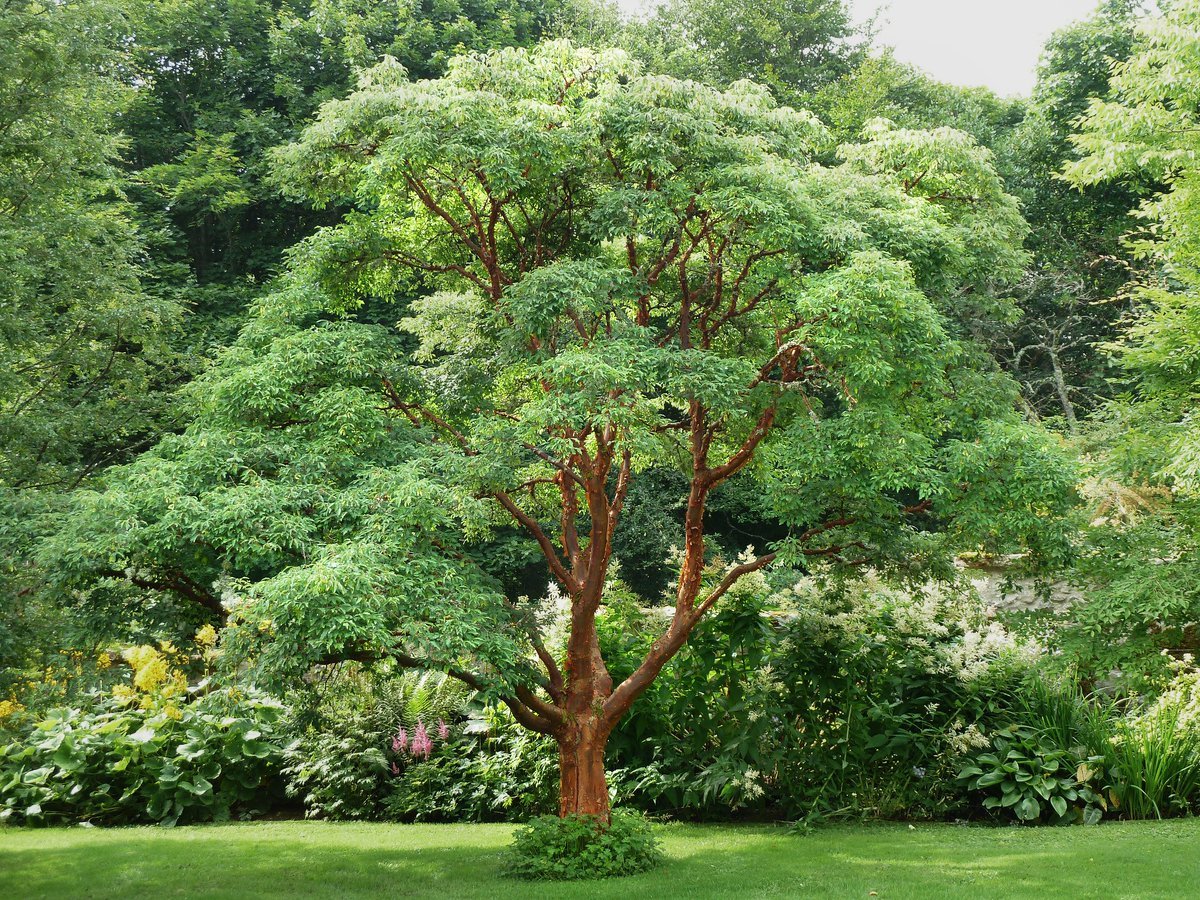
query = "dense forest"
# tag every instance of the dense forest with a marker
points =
(542, 349)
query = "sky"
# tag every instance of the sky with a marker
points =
(995, 43)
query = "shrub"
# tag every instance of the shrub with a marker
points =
(365, 731)
(156, 751)
(1154, 755)
(550, 848)
(1150, 751)
(1028, 778)
(338, 775)
(491, 770)
(855, 699)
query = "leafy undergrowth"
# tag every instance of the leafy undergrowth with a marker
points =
(320, 859)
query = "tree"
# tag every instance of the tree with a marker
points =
(222, 82)
(792, 46)
(1146, 446)
(80, 337)
(599, 272)
(1071, 292)
(84, 355)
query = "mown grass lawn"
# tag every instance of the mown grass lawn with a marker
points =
(317, 859)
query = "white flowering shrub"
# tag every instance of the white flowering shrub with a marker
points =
(857, 698)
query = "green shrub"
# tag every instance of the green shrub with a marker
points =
(491, 770)
(550, 848)
(1025, 777)
(856, 700)
(338, 775)
(199, 757)
(353, 739)
(1154, 755)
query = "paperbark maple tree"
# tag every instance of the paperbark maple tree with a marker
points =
(600, 272)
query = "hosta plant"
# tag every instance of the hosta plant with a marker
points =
(1024, 777)
(154, 751)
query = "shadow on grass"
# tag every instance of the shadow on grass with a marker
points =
(320, 860)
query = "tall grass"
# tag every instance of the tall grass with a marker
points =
(1154, 762)
(1150, 757)
(1068, 718)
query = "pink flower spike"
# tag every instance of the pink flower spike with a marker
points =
(443, 730)
(421, 744)
(395, 768)
(400, 741)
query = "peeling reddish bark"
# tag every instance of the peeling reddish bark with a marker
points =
(583, 784)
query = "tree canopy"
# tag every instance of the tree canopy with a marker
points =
(559, 273)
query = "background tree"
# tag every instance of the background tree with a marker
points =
(597, 272)
(1069, 296)
(791, 46)
(1146, 450)
(84, 356)
(221, 84)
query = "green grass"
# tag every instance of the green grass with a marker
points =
(317, 859)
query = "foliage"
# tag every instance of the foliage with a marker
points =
(792, 46)
(1154, 755)
(900, 685)
(857, 700)
(1025, 777)
(1140, 575)
(154, 751)
(337, 775)
(225, 82)
(491, 770)
(551, 848)
(413, 746)
(1071, 293)
(1135, 759)
(82, 342)
(352, 738)
(85, 356)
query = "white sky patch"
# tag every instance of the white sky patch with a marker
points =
(995, 43)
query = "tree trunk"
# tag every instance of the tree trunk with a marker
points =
(583, 787)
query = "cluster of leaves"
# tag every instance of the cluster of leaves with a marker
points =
(550, 848)
(1140, 573)
(337, 775)
(1024, 776)
(344, 760)
(1136, 759)
(347, 760)
(793, 46)
(120, 760)
(492, 770)
(1154, 755)
(858, 701)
